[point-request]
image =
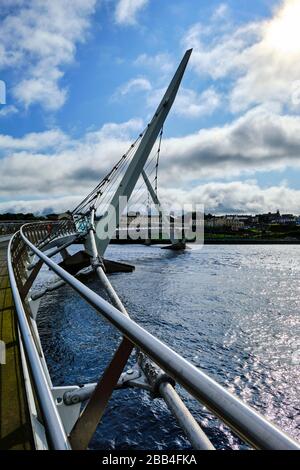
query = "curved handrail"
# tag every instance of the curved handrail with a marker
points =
(52, 421)
(241, 418)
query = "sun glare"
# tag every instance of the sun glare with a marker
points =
(283, 32)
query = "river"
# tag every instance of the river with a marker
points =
(233, 311)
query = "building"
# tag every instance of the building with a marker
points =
(230, 222)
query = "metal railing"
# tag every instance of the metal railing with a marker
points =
(9, 227)
(51, 419)
(249, 425)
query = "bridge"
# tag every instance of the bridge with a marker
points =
(66, 417)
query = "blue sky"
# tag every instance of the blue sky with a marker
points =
(84, 76)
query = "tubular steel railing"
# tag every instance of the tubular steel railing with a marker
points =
(54, 428)
(249, 425)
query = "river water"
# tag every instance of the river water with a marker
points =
(233, 311)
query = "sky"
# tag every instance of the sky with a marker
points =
(82, 78)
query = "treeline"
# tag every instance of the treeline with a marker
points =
(29, 216)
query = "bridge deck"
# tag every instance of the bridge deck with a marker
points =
(15, 428)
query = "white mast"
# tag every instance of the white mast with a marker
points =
(138, 161)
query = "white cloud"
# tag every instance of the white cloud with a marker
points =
(127, 10)
(40, 206)
(133, 85)
(219, 55)
(39, 39)
(157, 63)
(51, 164)
(111, 130)
(34, 141)
(188, 103)
(40, 90)
(261, 140)
(237, 196)
(217, 197)
(222, 11)
(8, 110)
(261, 58)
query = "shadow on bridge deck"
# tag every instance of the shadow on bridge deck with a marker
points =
(15, 427)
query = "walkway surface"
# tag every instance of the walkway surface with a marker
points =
(15, 429)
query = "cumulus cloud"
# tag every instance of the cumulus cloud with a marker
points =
(8, 110)
(39, 38)
(261, 58)
(221, 12)
(34, 141)
(127, 10)
(189, 103)
(260, 140)
(161, 62)
(133, 85)
(52, 164)
(237, 197)
(217, 197)
(259, 62)
(40, 206)
(192, 104)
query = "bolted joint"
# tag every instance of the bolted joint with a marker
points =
(162, 378)
(79, 395)
(71, 399)
(97, 262)
(154, 375)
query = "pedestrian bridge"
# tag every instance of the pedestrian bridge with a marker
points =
(57, 418)
(66, 417)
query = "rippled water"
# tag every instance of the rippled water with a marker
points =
(233, 311)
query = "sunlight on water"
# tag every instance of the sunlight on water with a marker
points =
(233, 311)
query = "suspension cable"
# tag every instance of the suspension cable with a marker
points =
(94, 193)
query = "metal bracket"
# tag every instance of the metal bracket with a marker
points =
(69, 414)
(134, 377)
(34, 305)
